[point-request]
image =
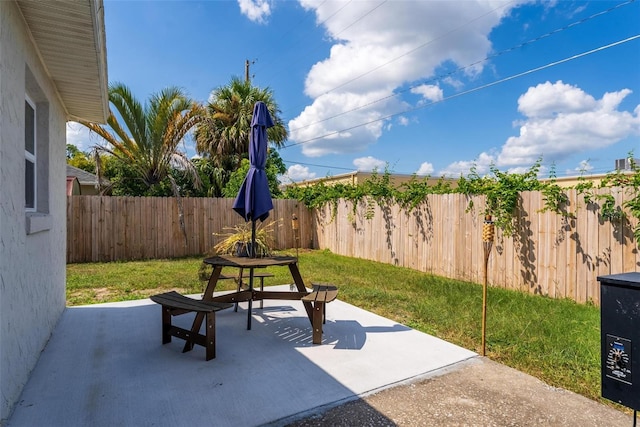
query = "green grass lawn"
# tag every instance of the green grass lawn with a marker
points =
(557, 341)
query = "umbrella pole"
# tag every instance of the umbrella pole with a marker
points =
(252, 254)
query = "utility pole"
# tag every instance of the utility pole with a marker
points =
(247, 76)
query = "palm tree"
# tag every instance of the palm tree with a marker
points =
(147, 139)
(225, 132)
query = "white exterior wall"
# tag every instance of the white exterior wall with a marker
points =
(32, 266)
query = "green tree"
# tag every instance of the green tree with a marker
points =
(224, 134)
(275, 167)
(213, 179)
(80, 159)
(72, 151)
(126, 182)
(146, 138)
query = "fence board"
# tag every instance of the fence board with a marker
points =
(520, 244)
(629, 250)
(617, 235)
(592, 249)
(475, 245)
(571, 247)
(545, 254)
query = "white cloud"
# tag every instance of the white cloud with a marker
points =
(463, 167)
(368, 164)
(397, 43)
(255, 10)
(454, 83)
(297, 173)
(562, 120)
(518, 170)
(428, 92)
(81, 137)
(584, 166)
(426, 168)
(577, 10)
(549, 99)
(349, 133)
(403, 121)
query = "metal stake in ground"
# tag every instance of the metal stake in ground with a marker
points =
(488, 233)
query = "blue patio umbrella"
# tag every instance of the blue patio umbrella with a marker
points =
(253, 201)
(254, 198)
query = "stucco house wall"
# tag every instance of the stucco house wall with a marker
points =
(32, 244)
(32, 291)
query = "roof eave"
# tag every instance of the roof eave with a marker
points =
(69, 37)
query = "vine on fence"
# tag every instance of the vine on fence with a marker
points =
(501, 190)
(629, 182)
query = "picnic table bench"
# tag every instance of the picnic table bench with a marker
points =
(174, 304)
(321, 294)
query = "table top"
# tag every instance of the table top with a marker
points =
(246, 262)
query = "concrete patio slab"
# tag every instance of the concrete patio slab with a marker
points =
(105, 365)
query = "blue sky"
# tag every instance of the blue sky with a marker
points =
(427, 87)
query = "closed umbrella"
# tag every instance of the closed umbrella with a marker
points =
(253, 201)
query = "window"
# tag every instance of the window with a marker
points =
(30, 180)
(36, 156)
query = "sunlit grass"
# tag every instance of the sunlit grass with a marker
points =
(557, 341)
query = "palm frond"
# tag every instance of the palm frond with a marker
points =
(147, 138)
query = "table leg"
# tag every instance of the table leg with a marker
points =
(207, 296)
(211, 285)
(239, 282)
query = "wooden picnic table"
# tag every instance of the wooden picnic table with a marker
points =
(250, 294)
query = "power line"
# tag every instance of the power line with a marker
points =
(442, 76)
(565, 173)
(317, 166)
(512, 77)
(359, 19)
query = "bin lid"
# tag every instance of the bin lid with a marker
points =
(624, 279)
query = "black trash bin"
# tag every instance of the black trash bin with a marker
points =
(620, 338)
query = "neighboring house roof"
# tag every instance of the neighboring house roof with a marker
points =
(84, 177)
(359, 177)
(572, 181)
(70, 39)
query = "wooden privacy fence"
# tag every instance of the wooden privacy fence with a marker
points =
(103, 228)
(549, 254)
